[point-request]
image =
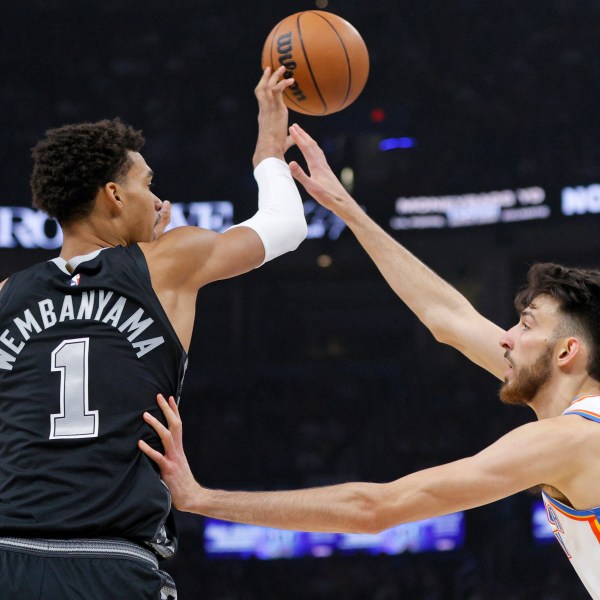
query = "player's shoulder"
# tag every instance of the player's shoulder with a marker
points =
(560, 432)
(29, 272)
(185, 233)
(569, 431)
(179, 240)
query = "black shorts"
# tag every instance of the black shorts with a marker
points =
(86, 569)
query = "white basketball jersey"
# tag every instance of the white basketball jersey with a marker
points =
(578, 531)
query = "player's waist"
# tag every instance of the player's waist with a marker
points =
(81, 547)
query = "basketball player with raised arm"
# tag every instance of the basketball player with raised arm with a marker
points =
(88, 337)
(549, 361)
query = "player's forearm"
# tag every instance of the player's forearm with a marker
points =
(356, 507)
(279, 222)
(449, 316)
(272, 126)
(344, 508)
(425, 293)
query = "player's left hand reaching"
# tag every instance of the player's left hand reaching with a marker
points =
(273, 139)
(174, 468)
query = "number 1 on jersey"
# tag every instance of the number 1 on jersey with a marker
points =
(74, 420)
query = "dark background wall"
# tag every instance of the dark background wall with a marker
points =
(302, 375)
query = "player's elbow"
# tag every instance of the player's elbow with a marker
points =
(296, 230)
(441, 325)
(284, 234)
(447, 325)
(373, 514)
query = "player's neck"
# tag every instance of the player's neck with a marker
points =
(84, 237)
(556, 396)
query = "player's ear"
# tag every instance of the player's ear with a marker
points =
(111, 195)
(567, 350)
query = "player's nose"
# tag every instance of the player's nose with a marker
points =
(506, 340)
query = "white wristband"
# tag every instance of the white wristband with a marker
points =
(279, 221)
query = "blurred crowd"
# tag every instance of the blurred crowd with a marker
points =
(502, 94)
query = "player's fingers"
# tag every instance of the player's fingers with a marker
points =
(172, 416)
(173, 405)
(266, 74)
(303, 141)
(163, 433)
(164, 218)
(156, 456)
(178, 429)
(311, 152)
(263, 80)
(301, 134)
(298, 173)
(165, 213)
(275, 76)
(307, 140)
(289, 142)
(284, 83)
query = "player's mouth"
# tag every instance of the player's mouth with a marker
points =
(509, 370)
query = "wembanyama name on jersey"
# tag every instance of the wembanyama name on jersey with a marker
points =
(92, 305)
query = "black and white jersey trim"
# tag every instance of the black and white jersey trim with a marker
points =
(83, 547)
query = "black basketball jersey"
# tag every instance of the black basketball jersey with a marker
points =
(82, 356)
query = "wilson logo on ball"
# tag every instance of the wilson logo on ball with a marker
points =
(284, 50)
(325, 55)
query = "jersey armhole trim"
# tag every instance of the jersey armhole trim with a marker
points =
(586, 414)
(142, 264)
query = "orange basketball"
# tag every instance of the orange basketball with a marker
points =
(325, 55)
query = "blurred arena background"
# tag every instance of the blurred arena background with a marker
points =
(475, 143)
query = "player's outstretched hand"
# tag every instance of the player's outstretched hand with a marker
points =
(273, 139)
(174, 467)
(321, 182)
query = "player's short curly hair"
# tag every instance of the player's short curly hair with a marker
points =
(71, 163)
(577, 292)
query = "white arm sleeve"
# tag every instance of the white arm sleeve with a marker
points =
(279, 221)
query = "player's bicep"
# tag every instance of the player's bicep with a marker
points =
(236, 251)
(537, 453)
(522, 459)
(192, 257)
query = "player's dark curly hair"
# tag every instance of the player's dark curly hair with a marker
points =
(71, 163)
(577, 292)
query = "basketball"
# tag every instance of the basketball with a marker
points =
(325, 55)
